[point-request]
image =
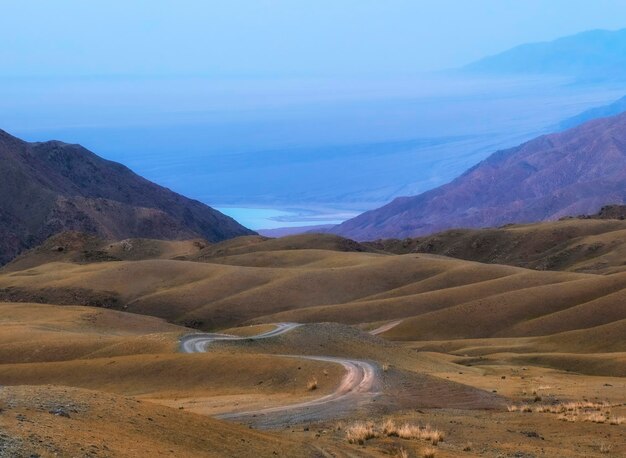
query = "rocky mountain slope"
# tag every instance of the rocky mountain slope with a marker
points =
(50, 187)
(568, 173)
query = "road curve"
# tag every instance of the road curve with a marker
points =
(358, 386)
(197, 343)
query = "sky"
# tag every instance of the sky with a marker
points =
(286, 110)
(278, 38)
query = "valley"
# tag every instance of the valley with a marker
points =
(478, 352)
(374, 230)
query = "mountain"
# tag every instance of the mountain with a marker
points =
(612, 109)
(595, 54)
(568, 173)
(50, 187)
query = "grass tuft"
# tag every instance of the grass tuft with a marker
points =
(359, 432)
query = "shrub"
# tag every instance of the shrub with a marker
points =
(359, 432)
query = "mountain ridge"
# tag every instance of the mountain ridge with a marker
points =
(569, 173)
(591, 54)
(49, 187)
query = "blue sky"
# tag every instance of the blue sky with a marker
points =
(278, 38)
(287, 110)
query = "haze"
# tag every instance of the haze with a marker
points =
(278, 38)
(313, 109)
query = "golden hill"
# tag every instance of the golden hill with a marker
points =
(436, 297)
(577, 245)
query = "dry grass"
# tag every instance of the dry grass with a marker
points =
(429, 452)
(402, 453)
(311, 384)
(359, 432)
(573, 407)
(408, 431)
(595, 418)
(566, 417)
(433, 435)
(605, 448)
(584, 411)
(389, 428)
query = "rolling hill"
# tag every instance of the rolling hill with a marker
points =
(51, 187)
(451, 341)
(319, 283)
(569, 173)
(591, 244)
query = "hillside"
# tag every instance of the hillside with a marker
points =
(321, 285)
(592, 244)
(569, 173)
(593, 54)
(447, 343)
(83, 248)
(612, 109)
(47, 188)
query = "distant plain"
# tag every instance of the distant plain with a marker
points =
(328, 149)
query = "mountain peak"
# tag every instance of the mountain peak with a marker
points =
(569, 173)
(50, 187)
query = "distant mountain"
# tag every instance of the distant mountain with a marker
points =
(570, 173)
(593, 54)
(615, 108)
(47, 188)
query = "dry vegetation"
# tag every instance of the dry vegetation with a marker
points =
(595, 412)
(361, 431)
(578, 245)
(471, 340)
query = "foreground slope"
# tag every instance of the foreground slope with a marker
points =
(569, 173)
(60, 421)
(46, 188)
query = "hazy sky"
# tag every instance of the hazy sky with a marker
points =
(278, 38)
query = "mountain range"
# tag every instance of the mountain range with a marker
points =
(568, 173)
(50, 187)
(595, 54)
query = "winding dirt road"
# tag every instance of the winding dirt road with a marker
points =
(358, 386)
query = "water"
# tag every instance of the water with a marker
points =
(272, 218)
(284, 153)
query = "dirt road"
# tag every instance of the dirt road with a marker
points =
(359, 385)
